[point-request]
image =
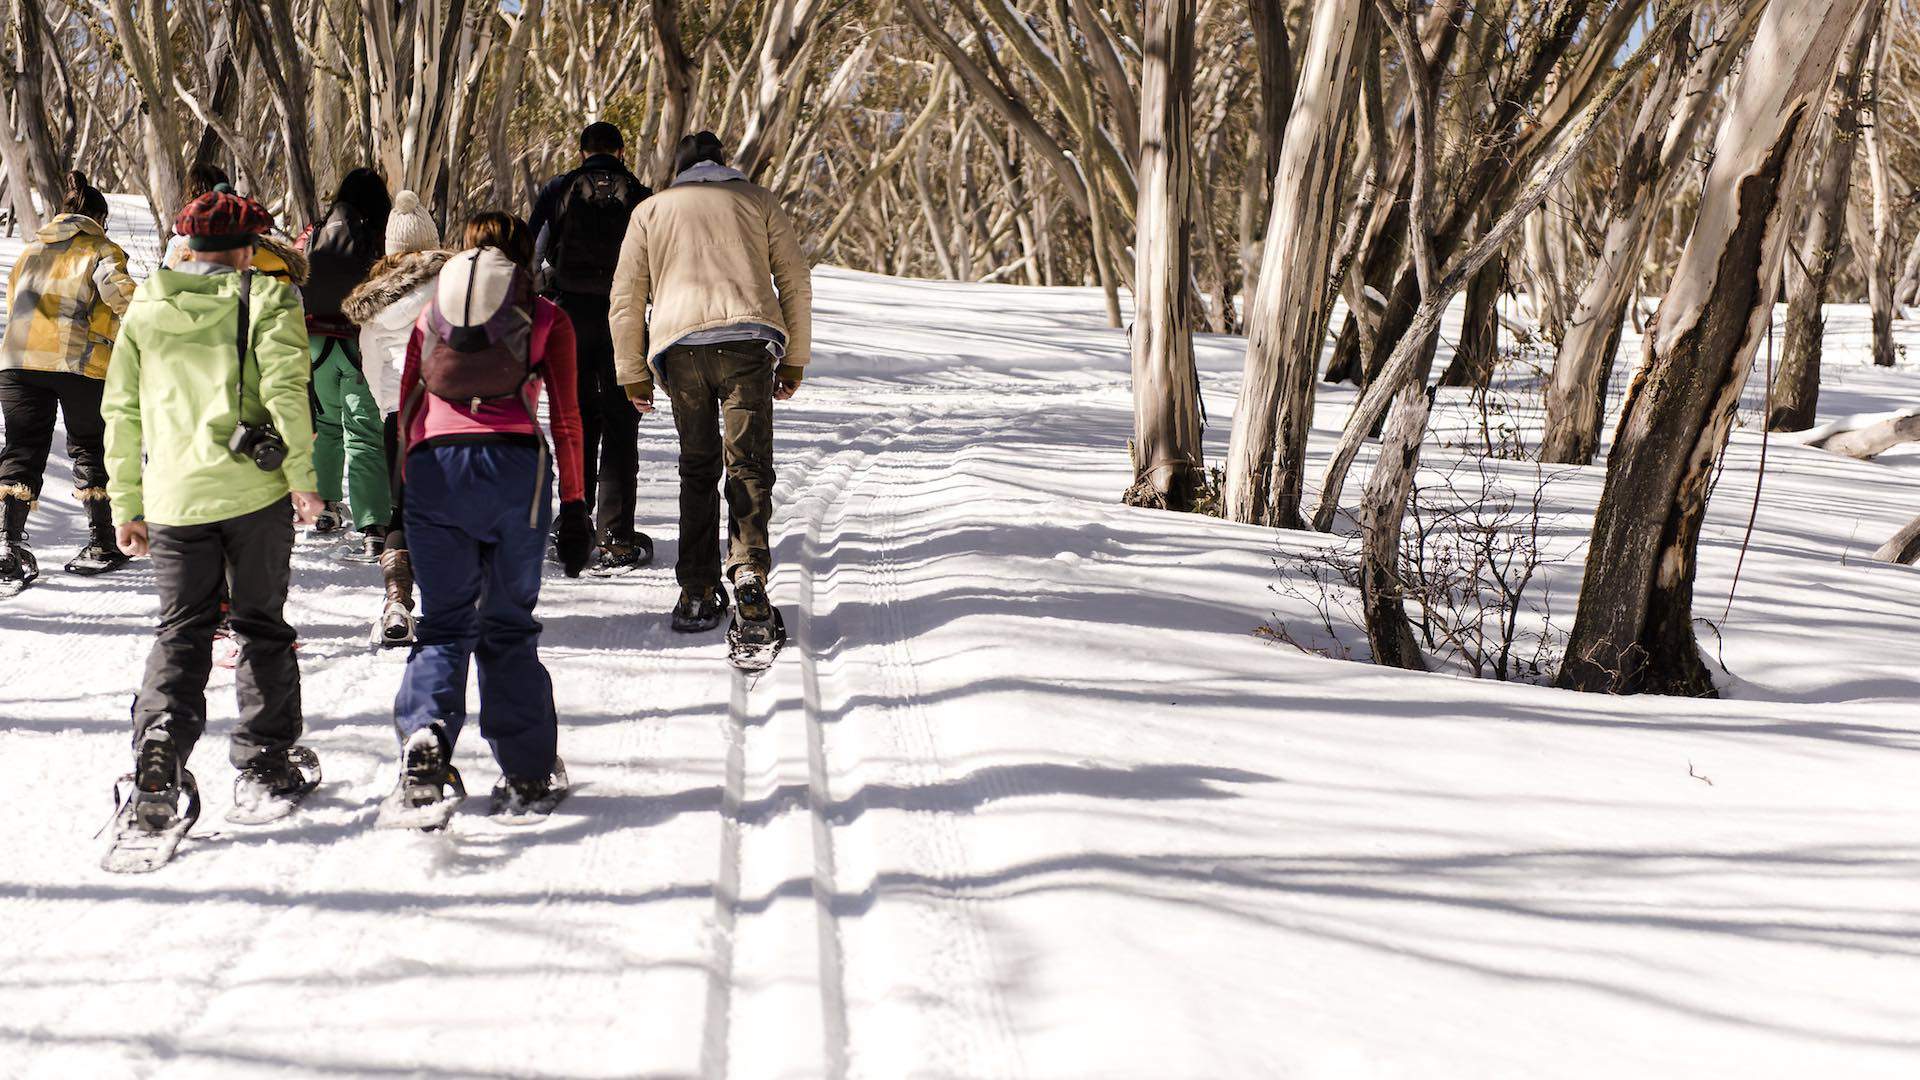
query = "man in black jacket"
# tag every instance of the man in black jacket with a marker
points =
(578, 221)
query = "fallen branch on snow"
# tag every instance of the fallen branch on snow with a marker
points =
(1904, 548)
(1866, 436)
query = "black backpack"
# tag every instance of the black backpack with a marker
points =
(588, 227)
(341, 252)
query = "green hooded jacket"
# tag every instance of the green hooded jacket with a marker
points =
(169, 399)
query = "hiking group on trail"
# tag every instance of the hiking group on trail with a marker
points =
(369, 381)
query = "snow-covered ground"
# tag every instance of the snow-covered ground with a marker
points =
(1026, 797)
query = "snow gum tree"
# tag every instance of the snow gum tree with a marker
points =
(1655, 159)
(1634, 628)
(1797, 384)
(1266, 459)
(1168, 472)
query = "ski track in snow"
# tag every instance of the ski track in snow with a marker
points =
(1024, 796)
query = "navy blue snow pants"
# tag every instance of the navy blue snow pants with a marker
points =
(477, 562)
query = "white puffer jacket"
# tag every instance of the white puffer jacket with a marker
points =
(386, 306)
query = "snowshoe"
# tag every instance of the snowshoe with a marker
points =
(757, 632)
(18, 568)
(332, 519)
(149, 822)
(697, 613)
(96, 559)
(524, 802)
(273, 787)
(621, 555)
(422, 799)
(366, 548)
(394, 628)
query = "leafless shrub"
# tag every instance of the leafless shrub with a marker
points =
(1471, 560)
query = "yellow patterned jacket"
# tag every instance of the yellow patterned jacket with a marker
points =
(65, 298)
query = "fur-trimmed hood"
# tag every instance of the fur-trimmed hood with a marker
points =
(293, 257)
(390, 280)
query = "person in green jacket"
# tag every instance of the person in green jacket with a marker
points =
(209, 454)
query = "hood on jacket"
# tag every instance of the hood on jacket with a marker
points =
(67, 226)
(390, 281)
(179, 303)
(707, 172)
(474, 285)
(293, 257)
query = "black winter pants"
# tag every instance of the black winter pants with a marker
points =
(723, 409)
(609, 426)
(189, 562)
(28, 404)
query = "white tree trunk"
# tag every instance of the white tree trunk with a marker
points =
(1884, 262)
(1634, 629)
(1266, 458)
(1656, 159)
(1168, 469)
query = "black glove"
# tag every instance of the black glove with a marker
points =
(574, 541)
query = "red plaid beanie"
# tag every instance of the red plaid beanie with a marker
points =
(222, 221)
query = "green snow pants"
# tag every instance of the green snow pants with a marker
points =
(349, 430)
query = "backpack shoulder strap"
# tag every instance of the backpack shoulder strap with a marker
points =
(243, 338)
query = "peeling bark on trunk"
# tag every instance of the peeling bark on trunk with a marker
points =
(1657, 158)
(1168, 470)
(1884, 262)
(1274, 55)
(1797, 379)
(1634, 629)
(1388, 487)
(1266, 458)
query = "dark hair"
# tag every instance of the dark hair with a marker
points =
(204, 178)
(81, 197)
(363, 190)
(503, 232)
(696, 148)
(601, 138)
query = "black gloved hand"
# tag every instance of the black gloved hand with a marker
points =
(574, 541)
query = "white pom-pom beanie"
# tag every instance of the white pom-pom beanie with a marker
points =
(410, 227)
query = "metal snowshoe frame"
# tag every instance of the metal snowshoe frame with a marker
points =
(138, 848)
(261, 807)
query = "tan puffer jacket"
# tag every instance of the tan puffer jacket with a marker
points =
(707, 252)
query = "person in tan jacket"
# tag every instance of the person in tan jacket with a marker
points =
(729, 333)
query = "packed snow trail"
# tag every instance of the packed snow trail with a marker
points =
(1025, 795)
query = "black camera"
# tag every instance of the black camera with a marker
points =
(260, 444)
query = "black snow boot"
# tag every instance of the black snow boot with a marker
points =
(156, 782)
(528, 798)
(621, 555)
(426, 767)
(750, 591)
(699, 610)
(284, 773)
(18, 567)
(430, 787)
(102, 555)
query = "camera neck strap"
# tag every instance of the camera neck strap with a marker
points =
(242, 343)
